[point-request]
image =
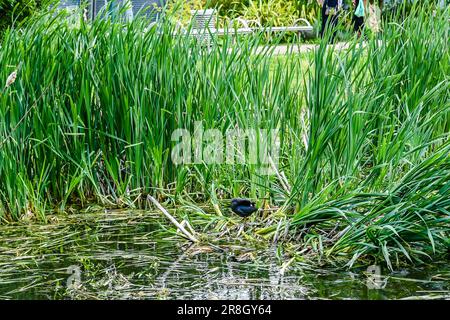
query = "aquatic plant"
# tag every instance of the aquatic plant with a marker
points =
(364, 165)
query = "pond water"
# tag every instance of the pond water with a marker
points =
(128, 255)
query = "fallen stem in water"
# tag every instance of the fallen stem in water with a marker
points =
(172, 219)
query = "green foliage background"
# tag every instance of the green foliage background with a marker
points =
(15, 11)
(269, 12)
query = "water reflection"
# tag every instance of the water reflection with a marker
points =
(126, 255)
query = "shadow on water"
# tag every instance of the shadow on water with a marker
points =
(130, 255)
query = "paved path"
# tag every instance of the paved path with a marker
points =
(301, 48)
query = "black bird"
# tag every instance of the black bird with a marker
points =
(243, 207)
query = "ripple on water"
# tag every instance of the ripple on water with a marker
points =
(128, 255)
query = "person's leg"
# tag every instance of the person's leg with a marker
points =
(358, 22)
(333, 25)
(354, 17)
(324, 21)
(381, 3)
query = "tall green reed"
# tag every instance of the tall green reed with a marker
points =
(95, 104)
(376, 166)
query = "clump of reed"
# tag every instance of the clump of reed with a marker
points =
(364, 157)
(91, 113)
(375, 177)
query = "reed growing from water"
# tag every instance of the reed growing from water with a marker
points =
(364, 155)
(377, 162)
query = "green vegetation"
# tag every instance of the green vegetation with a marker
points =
(267, 12)
(364, 161)
(13, 12)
